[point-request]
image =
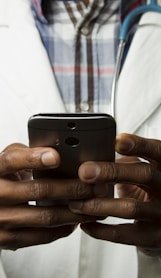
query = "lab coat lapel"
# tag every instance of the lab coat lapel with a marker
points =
(24, 62)
(139, 86)
(27, 84)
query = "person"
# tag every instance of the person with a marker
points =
(51, 50)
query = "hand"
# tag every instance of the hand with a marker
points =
(22, 224)
(140, 194)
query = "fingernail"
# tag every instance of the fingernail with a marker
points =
(48, 159)
(124, 145)
(91, 171)
(76, 205)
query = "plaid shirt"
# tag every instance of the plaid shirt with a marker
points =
(81, 43)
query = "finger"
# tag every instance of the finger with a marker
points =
(132, 191)
(128, 144)
(14, 146)
(44, 190)
(43, 217)
(20, 158)
(122, 208)
(138, 234)
(128, 159)
(142, 174)
(19, 238)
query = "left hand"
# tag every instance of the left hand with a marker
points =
(140, 194)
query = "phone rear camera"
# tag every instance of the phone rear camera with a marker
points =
(72, 141)
(72, 125)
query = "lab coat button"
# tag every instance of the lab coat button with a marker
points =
(84, 106)
(85, 31)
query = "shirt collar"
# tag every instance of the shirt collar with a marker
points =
(38, 1)
(38, 9)
(125, 7)
(37, 6)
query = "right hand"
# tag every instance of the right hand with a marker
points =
(22, 224)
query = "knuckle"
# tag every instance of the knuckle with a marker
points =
(142, 173)
(79, 190)
(110, 171)
(148, 172)
(139, 145)
(33, 157)
(131, 208)
(39, 191)
(49, 218)
(14, 146)
(6, 161)
(95, 205)
(147, 148)
(151, 147)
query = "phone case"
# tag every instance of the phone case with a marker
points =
(77, 137)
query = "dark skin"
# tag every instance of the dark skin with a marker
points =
(139, 189)
(22, 225)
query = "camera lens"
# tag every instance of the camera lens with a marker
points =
(72, 125)
(72, 141)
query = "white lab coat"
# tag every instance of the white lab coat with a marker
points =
(27, 86)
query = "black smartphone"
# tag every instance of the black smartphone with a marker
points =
(78, 137)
